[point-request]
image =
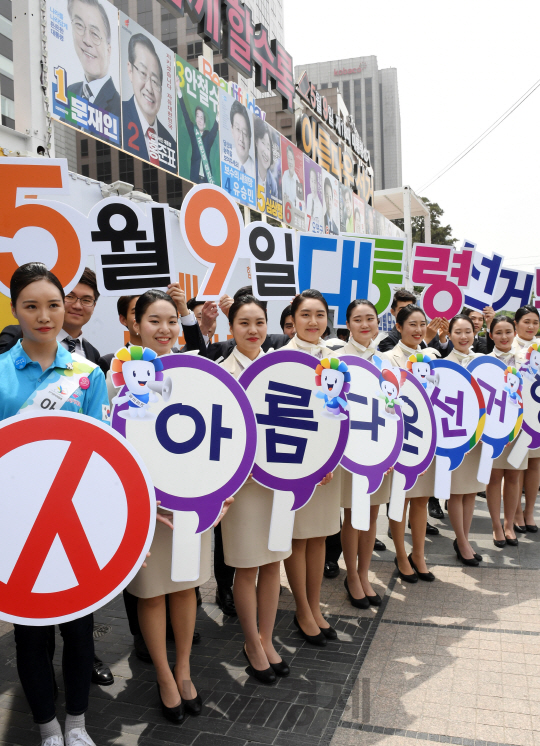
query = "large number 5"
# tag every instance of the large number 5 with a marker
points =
(12, 218)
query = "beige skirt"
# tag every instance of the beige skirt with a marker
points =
(380, 497)
(425, 484)
(321, 516)
(502, 461)
(464, 480)
(246, 528)
(534, 454)
(155, 580)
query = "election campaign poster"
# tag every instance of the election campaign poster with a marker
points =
(148, 96)
(314, 196)
(237, 150)
(84, 67)
(198, 125)
(268, 166)
(292, 182)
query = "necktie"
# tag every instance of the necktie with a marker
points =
(71, 344)
(242, 170)
(152, 146)
(87, 93)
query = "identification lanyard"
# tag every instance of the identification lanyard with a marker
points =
(57, 392)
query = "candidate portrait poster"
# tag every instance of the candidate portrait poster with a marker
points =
(370, 227)
(237, 150)
(331, 204)
(268, 168)
(292, 185)
(314, 196)
(198, 125)
(148, 96)
(359, 214)
(346, 209)
(84, 67)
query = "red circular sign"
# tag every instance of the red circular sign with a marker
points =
(58, 517)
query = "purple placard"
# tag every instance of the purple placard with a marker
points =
(374, 472)
(208, 506)
(412, 473)
(304, 487)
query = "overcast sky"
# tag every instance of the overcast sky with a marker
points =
(460, 65)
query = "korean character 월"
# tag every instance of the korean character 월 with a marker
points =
(238, 36)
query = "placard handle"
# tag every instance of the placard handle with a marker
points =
(397, 497)
(486, 463)
(186, 547)
(520, 449)
(360, 513)
(281, 522)
(442, 477)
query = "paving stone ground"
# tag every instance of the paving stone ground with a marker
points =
(455, 661)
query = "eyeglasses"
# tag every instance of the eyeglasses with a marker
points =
(144, 77)
(80, 29)
(85, 301)
(240, 132)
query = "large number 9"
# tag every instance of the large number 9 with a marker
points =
(212, 226)
(36, 176)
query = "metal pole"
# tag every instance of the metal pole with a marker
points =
(408, 230)
(30, 76)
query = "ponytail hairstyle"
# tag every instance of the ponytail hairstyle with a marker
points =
(28, 273)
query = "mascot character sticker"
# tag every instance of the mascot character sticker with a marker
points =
(391, 380)
(333, 377)
(420, 366)
(513, 382)
(139, 369)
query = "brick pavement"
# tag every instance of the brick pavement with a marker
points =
(456, 661)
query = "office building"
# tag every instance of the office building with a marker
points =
(372, 98)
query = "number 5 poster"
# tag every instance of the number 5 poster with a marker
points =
(84, 66)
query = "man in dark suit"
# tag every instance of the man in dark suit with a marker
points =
(329, 224)
(91, 31)
(144, 135)
(484, 344)
(198, 173)
(80, 304)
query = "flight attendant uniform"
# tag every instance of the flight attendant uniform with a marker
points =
(382, 495)
(509, 358)
(246, 525)
(464, 479)
(398, 356)
(321, 515)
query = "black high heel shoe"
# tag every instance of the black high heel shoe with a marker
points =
(329, 632)
(358, 603)
(174, 715)
(511, 542)
(192, 706)
(413, 578)
(473, 562)
(281, 668)
(520, 529)
(319, 639)
(428, 576)
(267, 676)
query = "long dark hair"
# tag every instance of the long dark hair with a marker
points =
(305, 295)
(28, 273)
(146, 299)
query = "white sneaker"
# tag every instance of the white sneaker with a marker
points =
(53, 741)
(78, 737)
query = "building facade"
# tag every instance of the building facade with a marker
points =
(372, 99)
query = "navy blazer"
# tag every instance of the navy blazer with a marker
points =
(330, 226)
(107, 99)
(134, 140)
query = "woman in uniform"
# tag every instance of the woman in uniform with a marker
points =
(464, 482)
(246, 527)
(411, 323)
(527, 322)
(156, 322)
(363, 324)
(35, 366)
(503, 331)
(321, 516)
